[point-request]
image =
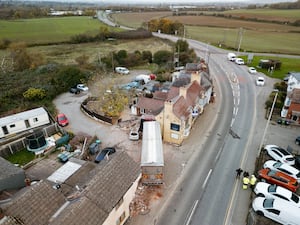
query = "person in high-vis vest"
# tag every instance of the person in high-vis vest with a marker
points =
(246, 181)
(252, 181)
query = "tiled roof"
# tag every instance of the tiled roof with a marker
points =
(295, 96)
(81, 212)
(151, 104)
(174, 91)
(181, 108)
(192, 93)
(112, 181)
(37, 204)
(41, 204)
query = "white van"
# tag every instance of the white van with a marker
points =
(239, 61)
(278, 210)
(143, 77)
(231, 56)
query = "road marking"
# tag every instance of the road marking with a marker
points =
(206, 179)
(192, 212)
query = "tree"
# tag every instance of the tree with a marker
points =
(114, 102)
(20, 56)
(34, 94)
(162, 57)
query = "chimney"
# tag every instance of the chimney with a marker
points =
(196, 76)
(182, 91)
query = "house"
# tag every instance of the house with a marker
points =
(102, 191)
(11, 176)
(291, 107)
(13, 124)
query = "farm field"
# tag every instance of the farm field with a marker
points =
(48, 30)
(257, 36)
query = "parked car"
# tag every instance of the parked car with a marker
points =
(260, 81)
(278, 178)
(104, 152)
(252, 70)
(297, 141)
(82, 87)
(279, 154)
(239, 61)
(62, 120)
(74, 90)
(277, 210)
(283, 167)
(122, 70)
(266, 190)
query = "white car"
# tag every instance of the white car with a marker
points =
(283, 167)
(279, 154)
(260, 81)
(239, 61)
(277, 210)
(122, 70)
(82, 87)
(252, 70)
(263, 189)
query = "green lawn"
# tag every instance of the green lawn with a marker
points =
(48, 30)
(22, 157)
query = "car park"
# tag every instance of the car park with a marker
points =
(277, 210)
(122, 70)
(260, 81)
(104, 152)
(239, 61)
(279, 154)
(283, 167)
(278, 178)
(62, 120)
(74, 90)
(252, 70)
(82, 87)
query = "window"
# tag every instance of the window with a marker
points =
(175, 127)
(121, 219)
(119, 203)
(35, 120)
(12, 125)
(275, 211)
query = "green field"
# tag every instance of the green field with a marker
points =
(252, 41)
(257, 36)
(48, 30)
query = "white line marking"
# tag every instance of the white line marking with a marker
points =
(206, 179)
(192, 212)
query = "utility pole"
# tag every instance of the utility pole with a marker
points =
(240, 38)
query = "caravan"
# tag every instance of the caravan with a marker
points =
(19, 122)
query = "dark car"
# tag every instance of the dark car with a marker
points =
(74, 90)
(297, 141)
(103, 153)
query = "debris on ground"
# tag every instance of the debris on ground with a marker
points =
(144, 196)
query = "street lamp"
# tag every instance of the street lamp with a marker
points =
(269, 118)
